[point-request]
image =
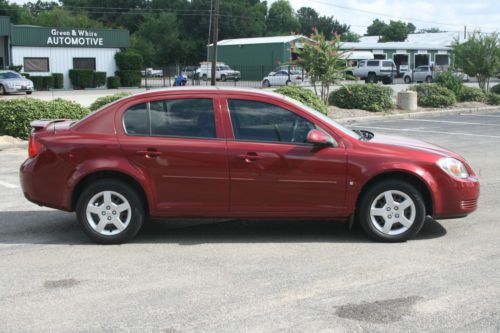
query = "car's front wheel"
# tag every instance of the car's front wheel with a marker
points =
(407, 80)
(110, 211)
(266, 83)
(392, 211)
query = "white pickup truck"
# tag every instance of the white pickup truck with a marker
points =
(374, 70)
(222, 72)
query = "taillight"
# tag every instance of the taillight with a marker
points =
(34, 147)
(298, 78)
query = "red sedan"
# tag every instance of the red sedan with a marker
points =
(218, 152)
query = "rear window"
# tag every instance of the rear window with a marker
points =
(372, 63)
(136, 120)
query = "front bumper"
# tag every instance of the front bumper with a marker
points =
(458, 198)
(16, 89)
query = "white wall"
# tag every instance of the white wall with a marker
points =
(61, 59)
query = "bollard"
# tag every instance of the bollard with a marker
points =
(407, 100)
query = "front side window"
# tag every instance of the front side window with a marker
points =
(36, 65)
(193, 118)
(259, 121)
(84, 63)
(136, 120)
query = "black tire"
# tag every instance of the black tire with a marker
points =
(2, 90)
(288, 82)
(266, 83)
(428, 79)
(223, 77)
(372, 78)
(407, 80)
(387, 80)
(204, 77)
(375, 191)
(29, 92)
(137, 210)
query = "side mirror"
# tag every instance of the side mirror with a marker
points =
(320, 139)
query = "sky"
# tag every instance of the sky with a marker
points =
(444, 14)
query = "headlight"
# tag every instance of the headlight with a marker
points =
(453, 167)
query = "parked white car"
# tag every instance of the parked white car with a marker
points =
(282, 78)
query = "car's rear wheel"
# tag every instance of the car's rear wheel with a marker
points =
(392, 211)
(204, 77)
(223, 77)
(2, 90)
(29, 92)
(288, 82)
(266, 83)
(428, 79)
(407, 80)
(372, 78)
(110, 211)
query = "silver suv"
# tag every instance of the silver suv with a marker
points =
(419, 74)
(374, 70)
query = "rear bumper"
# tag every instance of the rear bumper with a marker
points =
(459, 198)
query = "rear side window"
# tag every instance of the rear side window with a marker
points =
(372, 63)
(183, 117)
(387, 64)
(136, 120)
(259, 121)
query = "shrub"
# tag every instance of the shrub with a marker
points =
(495, 89)
(113, 82)
(492, 98)
(26, 75)
(129, 78)
(99, 79)
(303, 95)
(101, 101)
(17, 114)
(58, 80)
(42, 82)
(434, 95)
(16, 68)
(470, 94)
(451, 81)
(81, 78)
(129, 59)
(371, 97)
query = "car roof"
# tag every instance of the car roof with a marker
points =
(205, 89)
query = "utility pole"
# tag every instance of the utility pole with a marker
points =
(465, 33)
(210, 23)
(215, 34)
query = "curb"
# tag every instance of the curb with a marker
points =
(435, 113)
(23, 144)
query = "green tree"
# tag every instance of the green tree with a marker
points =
(375, 29)
(350, 36)
(430, 30)
(479, 56)
(308, 20)
(281, 19)
(395, 31)
(60, 17)
(324, 62)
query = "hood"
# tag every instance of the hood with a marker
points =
(415, 144)
(20, 80)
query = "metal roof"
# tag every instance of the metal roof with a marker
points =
(392, 46)
(430, 38)
(259, 40)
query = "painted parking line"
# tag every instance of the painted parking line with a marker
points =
(8, 185)
(425, 131)
(480, 115)
(451, 122)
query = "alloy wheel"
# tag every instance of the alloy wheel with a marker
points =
(108, 213)
(392, 212)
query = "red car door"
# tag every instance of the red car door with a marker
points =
(273, 170)
(179, 143)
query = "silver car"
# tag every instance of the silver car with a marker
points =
(12, 82)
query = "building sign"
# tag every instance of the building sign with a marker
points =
(74, 37)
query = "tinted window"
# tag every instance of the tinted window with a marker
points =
(258, 121)
(183, 117)
(84, 63)
(135, 120)
(387, 64)
(372, 63)
(10, 75)
(36, 65)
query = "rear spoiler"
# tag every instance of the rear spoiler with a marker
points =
(44, 123)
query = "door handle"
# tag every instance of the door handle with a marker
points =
(250, 157)
(148, 153)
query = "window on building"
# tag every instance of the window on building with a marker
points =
(442, 60)
(380, 56)
(84, 63)
(36, 65)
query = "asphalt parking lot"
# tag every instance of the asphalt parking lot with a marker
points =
(260, 276)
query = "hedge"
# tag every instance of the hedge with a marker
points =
(81, 78)
(451, 81)
(58, 80)
(495, 89)
(17, 114)
(434, 95)
(128, 60)
(99, 79)
(101, 101)
(303, 95)
(113, 82)
(42, 82)
(129, 78)
(492, 98)
(470, 94)
(371, 97)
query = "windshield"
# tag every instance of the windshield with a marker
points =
(325, 118)
(225, 68)
(10, 75)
